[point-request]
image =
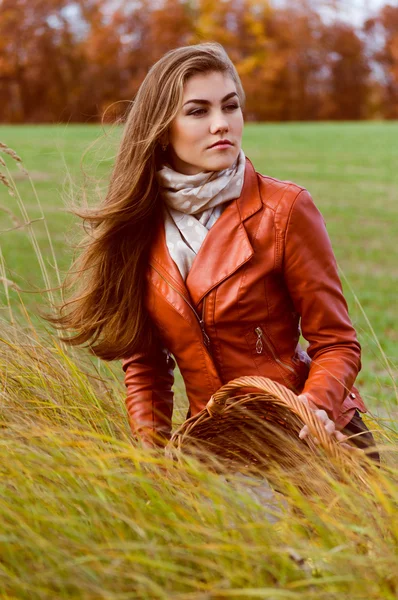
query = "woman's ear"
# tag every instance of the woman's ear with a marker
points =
(164, 142)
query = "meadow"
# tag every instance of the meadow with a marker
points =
(350, 170)
(86, 513)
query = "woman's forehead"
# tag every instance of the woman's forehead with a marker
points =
(211, 87)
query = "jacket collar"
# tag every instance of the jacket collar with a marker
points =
(225, 248)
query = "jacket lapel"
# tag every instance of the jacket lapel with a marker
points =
(227, 246)
(225, 249)
(161, 261)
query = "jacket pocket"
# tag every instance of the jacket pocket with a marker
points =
(264, 345)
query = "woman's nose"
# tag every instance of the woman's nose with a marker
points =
(219, 123)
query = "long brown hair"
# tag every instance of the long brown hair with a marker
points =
(107, 310)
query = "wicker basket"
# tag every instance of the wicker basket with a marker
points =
(253, 422)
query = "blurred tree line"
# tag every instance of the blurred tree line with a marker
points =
(63, 60)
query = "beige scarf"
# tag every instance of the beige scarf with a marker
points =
(193, 204)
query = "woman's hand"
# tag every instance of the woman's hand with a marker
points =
(330, 427)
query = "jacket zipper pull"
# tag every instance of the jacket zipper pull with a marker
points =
(206, 338)
(259, 341)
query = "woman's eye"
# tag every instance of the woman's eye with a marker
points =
(198, 112)
(231, 106)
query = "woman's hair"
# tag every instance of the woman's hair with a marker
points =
(107, 310)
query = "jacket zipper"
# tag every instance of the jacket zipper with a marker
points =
(261, 337)
(206, 339)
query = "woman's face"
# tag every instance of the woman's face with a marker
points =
(210, 113)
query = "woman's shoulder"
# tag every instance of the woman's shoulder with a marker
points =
(279, 193)
(284, 199)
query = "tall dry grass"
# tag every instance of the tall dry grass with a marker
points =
(85, 512)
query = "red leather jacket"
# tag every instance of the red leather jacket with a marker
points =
(265, 268)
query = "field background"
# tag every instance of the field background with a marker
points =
(85, 511)
(349, 168)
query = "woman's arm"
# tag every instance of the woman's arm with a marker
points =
(310, 272)
(149, 379)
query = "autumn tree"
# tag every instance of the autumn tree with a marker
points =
(76, 60)
(385, 27)
(240, 26)
(39, 59)
(294, 66)
(347, 83)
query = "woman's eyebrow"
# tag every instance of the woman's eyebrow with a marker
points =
(198, 101)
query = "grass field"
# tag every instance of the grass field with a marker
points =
(350, 169)
(87, 513)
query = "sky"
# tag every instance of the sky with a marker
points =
(356, 11)
(352, 11)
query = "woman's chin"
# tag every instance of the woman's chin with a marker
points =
(220, 163)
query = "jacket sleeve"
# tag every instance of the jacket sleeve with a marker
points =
(149, 379)
(311, 275)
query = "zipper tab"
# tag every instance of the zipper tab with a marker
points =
(259, 342)
(206, 338)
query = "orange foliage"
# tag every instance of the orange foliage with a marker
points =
(63, 60)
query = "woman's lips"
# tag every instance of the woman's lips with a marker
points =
(221, 145)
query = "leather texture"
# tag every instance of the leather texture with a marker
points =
(265, 269)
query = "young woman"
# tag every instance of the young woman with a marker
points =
(194, 257)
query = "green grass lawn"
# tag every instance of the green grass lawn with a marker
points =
(87, 514)
(349, 168)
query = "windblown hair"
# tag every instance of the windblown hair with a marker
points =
(107, 309)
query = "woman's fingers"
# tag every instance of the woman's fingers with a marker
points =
(303, 399)
(304, 432)
(322, 415)
(340, 437)
(329, 425)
